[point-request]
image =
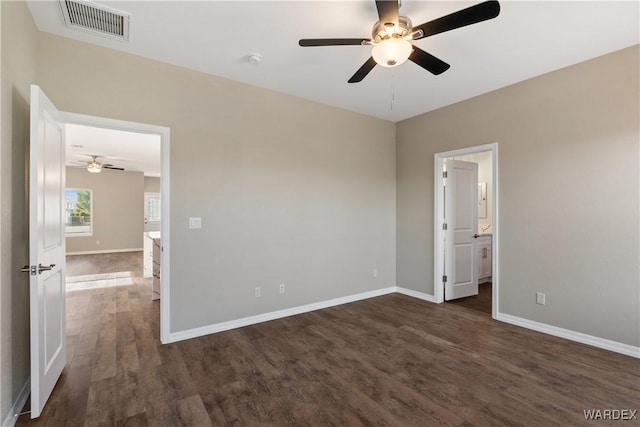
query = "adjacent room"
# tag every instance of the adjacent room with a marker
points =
(112, 206)
(319, 213)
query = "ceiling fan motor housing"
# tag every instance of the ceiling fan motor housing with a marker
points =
(382, 31)
(390, 42)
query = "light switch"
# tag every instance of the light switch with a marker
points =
(195, 222)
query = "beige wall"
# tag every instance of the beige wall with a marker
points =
(151, 184)
(568, 193)
(289, 191)
(18, 71)
(118, 204)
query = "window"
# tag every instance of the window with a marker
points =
(151, 208)
(78, 204)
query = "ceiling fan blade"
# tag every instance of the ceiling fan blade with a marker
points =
(363, 71)
(387, 11)
(332, 42)
(112, 168)
(471, 15)
(428, 62)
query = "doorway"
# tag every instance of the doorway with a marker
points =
(487, 225)
(108, 175)
(163, 133)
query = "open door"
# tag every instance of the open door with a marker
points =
(46, 249)
(461, 219)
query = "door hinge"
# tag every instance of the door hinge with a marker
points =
(444, 279)
(444, 226)
(444, 174)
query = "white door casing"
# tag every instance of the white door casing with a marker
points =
(46, 249)
(461, 217)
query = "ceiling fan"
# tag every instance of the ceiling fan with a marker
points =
(94, 166)
(392, 35)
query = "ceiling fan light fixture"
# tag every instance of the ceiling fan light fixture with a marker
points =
(391, 52)
(94, 167)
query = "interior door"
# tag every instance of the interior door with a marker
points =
(151, 212)
(461, 218)
(46, 249)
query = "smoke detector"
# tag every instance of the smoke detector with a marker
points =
(255, 58)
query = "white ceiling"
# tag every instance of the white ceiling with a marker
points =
(132, 151)
(529, 38)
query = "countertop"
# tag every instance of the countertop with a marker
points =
(153, 234)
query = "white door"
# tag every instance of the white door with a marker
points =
(46, 249)
(461, 217)
(152, 211)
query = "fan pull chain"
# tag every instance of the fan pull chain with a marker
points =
(393, 88)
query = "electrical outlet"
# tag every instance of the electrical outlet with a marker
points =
(540, 297)
(282, 288)
(375, 272)
(195, 222)
(257, 292)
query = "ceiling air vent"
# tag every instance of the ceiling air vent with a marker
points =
(96, 18)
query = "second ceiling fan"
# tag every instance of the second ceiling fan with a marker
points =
(392, 35)
(94, 166)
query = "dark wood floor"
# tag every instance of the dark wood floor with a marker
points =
(386, 361)
(481, 302)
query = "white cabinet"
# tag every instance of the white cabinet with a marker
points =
(147, 253)
(151, 264)
(483, 258)
(156, 269)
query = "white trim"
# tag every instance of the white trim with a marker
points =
(14, 413)
(265, 317)
(495, 247)
(438, 235)
(414, 294)
(108, 251)
(165, 261)
(568, 334)
(438, 196)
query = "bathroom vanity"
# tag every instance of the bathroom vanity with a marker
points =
(483, 257)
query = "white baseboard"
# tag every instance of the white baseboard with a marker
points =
(414, 294)
(12, 416)
(507, 318)
(615, 346)
(108, 251)
(251, 320)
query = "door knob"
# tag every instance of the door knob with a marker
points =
(42, 268)
(475, 236)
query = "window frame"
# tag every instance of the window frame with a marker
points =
(91, 214)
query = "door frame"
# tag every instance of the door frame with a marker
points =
(438, 202)
(164, 133)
